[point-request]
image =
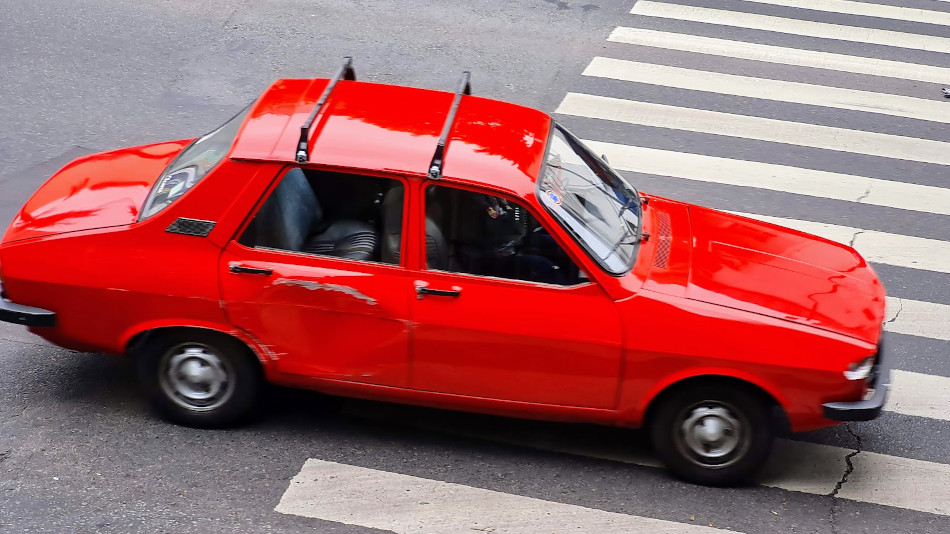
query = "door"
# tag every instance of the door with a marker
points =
(312, 279)
(502, 312)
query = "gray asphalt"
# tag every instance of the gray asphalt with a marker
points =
(81, 452)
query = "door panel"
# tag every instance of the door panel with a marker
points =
(321, 317)
(516, 341)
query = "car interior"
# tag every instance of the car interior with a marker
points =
(328, 214)
(360, 217)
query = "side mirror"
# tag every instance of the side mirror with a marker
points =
(604, 157)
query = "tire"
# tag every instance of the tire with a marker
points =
(715, 435)
(199, 378)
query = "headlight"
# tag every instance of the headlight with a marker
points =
(860, 370)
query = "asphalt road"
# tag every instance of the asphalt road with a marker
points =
(79, 449)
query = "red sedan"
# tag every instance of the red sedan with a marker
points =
(416, 246)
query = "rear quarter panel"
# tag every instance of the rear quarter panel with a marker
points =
(108, 285)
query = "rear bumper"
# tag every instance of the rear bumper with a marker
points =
(12, 312)
(865, 410)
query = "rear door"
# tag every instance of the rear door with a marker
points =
(322, 315)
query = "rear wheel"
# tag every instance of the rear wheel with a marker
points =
(713, 435)
(199, 378)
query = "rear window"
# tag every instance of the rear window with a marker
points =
(194, 162)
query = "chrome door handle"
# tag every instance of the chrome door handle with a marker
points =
(423, 290)
(239, 269)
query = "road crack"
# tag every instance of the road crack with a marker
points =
(900, 304)
(854, 237)
(864, 196)
(849, 468)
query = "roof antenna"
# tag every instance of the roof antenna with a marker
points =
(465, 88)
(346, 72)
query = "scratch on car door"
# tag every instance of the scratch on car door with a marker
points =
(314, 286)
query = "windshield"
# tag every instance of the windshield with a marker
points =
(594, 203)
(192, 165)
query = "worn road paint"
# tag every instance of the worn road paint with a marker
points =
(823, 30)
(766, 89)
(757, 128)
(780, 55)
(782, 178)
(406, 504)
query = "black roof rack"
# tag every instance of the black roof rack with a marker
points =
(465, 88)
(346, 72)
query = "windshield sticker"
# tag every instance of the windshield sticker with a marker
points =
(553, 197)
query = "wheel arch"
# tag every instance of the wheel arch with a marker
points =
(134, 338)
(761, 389)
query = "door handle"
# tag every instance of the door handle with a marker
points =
(423, 290)
(239, 269)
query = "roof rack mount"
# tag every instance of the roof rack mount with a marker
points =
(465, 88)
(346, 72)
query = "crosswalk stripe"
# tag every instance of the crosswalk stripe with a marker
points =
(876, 247)
(919, 394)
(865, 9)
(793, 465)
(808, 28)
(781, 178)
(758, 128)
(918, 318)
(778, 90)
(780, 55)
(407, 504)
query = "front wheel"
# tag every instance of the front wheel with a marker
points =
(712, 435)
(200, 379)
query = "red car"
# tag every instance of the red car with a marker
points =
(421, 247)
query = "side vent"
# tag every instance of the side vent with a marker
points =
(662, 257)
(195, 227)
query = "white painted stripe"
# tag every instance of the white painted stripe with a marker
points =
(809, 468)
(782, 178)
(747, 127)
(406, 504)
(876, 247)
(780, 55)
(918, 318)
(919, 394)
(793, 466)
(778, 90)
(865, 9)
(808, 28)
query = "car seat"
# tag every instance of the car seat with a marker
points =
(291, 219)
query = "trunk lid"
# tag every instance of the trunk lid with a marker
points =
(96, 191)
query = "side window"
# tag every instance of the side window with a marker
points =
(476, 233)
(331, 214)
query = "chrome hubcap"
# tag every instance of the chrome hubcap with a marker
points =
(712, 435)
(195, 377)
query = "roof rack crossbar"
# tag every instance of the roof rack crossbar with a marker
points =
(346, 72)
(465, 88)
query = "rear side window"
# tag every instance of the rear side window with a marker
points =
(348, 216)
(194, 162)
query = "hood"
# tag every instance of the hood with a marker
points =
(95, 191)
(771, 270)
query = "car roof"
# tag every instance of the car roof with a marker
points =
(395, 129)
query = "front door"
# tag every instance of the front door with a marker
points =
(502, 312)
(311, 279)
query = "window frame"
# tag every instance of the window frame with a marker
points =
(520, 201)
(275, 181)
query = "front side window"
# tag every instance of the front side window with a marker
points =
(487, 235)
(348, 216)
(191, 165)
(591, 201)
